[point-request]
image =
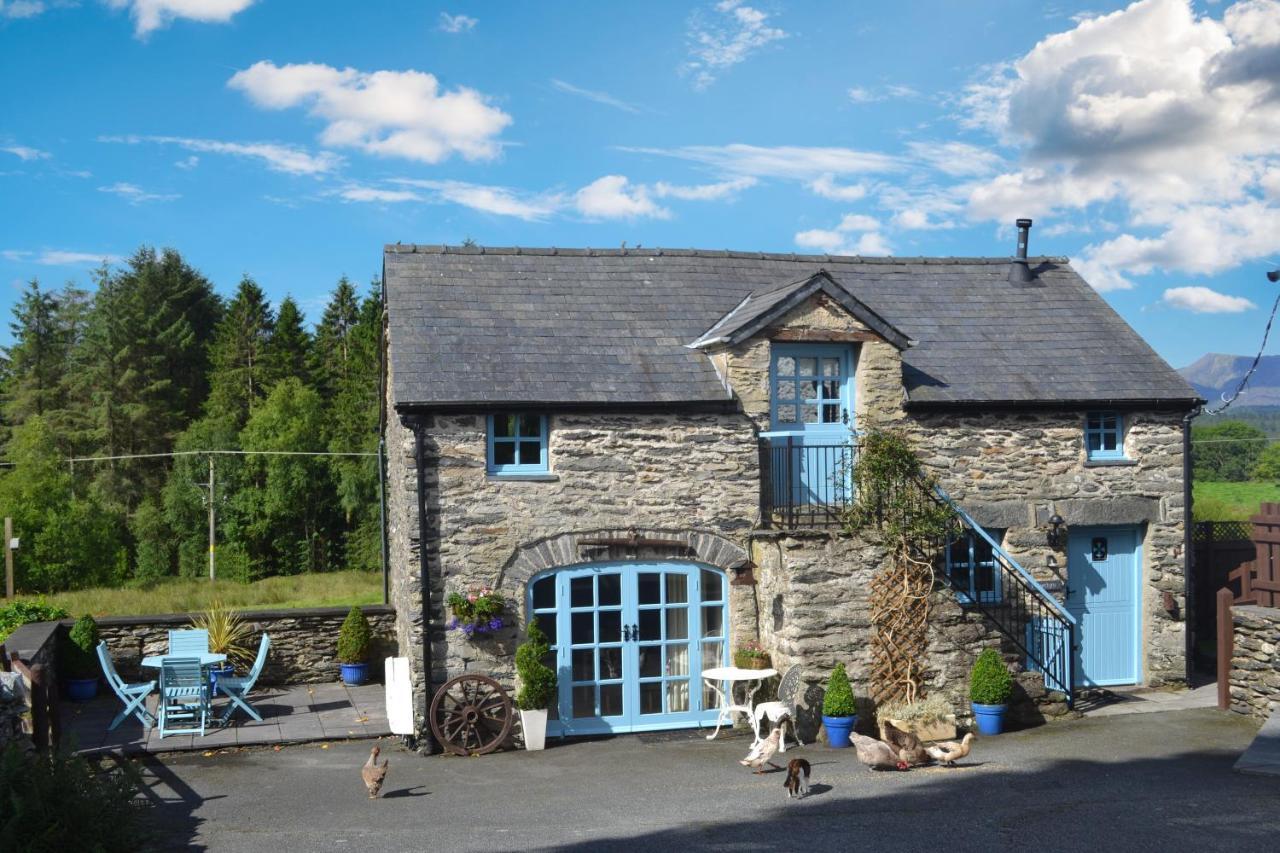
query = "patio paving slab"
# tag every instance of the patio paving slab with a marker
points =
(1262, 758)
(1117, 702)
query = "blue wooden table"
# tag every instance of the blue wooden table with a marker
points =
(206, 659)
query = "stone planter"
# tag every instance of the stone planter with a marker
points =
(944, 729)
(534, 726)
(742, 661)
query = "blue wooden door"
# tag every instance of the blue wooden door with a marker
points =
(1103, 595)
(629, 640)
(810, 405)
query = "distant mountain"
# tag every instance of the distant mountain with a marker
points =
(1216, 374)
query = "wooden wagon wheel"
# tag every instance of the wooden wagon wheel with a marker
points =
(471, 715)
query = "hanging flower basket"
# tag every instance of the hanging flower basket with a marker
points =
(476, 612)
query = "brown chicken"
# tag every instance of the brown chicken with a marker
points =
(374, 773)
(910, 751)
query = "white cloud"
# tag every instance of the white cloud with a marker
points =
(386, 113)
(826, 186)
(703, 192)
(863, 95)
(915, 219)
(717, 43)
(16, 9)
(135, 194)
(150, 15)
(188, 163)
(857, 234)
(23, 152)
(59, 258)
(614, 197)
(1168, 114)
(958, 159)
(501, 201)
(592, 95)
(277, 157)
(361, 193)
(456, 23)
(782, 161)
(1203, 300)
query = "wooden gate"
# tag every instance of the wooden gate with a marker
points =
(1262, 585)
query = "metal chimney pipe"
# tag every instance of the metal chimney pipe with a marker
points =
(1021, 270)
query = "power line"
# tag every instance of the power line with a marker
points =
(1257, 359)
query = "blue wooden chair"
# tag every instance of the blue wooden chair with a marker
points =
(184, 696)
(236, 689)
(134, 696)
(194, 642)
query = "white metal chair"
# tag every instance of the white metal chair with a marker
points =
(783, 711)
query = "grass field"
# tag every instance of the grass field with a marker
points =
(188, 595)
(1232, 501)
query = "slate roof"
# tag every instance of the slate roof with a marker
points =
(475, 327)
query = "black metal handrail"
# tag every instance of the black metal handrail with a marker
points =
(803, 484)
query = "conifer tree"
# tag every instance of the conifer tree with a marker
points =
(289, 353)
(240, 354)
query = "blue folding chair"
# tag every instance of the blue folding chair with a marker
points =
(192, 643)
(184, 696)
(134, 696)
(236, 689)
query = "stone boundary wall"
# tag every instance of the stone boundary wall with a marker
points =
(37, 645)
(303, 642)
(1255, 664)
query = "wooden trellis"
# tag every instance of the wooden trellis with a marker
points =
(900, 628)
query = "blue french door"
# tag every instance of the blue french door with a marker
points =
(1103, 595)
(629, 640)
(810, 405)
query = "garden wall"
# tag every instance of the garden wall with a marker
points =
(36, 645)
(1255, 664)
(303, 642)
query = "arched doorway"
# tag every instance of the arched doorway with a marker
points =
(629, 640)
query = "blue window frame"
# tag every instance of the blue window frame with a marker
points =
(1104, 435)
(517, 443)
(809, 387)
(971, 565)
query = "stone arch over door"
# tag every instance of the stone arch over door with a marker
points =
(632, 543)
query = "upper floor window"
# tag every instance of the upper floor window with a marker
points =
(971, 565)
(517, 444)
(808, 386)
(1104, 435)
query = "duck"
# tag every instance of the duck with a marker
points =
(876, 754)
(948, 752)
(760, 754)
(373, 773)
(909, 748)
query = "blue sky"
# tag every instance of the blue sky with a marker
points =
(291, 140)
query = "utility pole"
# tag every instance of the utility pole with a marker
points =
(212, 518)
(8, 557)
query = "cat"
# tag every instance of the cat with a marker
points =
(797, 783)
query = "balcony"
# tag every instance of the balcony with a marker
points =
(804, 483)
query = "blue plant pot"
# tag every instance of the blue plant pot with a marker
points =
(81, 689)
(990, 718)
(216, 671)
(838, 730)
(355, 673)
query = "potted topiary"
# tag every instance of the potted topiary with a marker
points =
(228, 635)
(78, 661)
(838, 710)
(354, 639)
(537, 687)
(990, 686)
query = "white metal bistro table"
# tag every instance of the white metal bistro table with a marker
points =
(206, 659)
(731, 676)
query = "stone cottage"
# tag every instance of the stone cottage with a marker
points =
(648, 449)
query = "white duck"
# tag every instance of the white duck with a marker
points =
(876, 754)
(760, 754)
(949, 752)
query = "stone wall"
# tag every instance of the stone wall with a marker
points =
(1255, 661)
(303, 642)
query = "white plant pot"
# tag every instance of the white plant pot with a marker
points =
(534, 726)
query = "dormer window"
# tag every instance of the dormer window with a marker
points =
(517, 444)
(809, 387)
(1104, 436)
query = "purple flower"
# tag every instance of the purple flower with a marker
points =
(495, 623)
(453, 624)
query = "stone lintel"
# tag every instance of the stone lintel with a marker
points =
(1080, 512)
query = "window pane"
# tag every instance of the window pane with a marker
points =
(677, 696)
(677, 589)
(786, 390)
(651, 624)
(504, 425)
(651, 698)
(547, 622)
(584, 664)
(831, 390)
(584, 628)
(544, 594)
(677, 623)
(584, 701)
(610, 626)
(504, 453)
(1094, 440)
(580, 592)
(712, 585)
(830, 413)
(831, 367)
(985, 578)
(809, 390)
(786, 414)
(809, 414)
(786, 365)
(530, 453)
(610, 589)
(650, 661)
(531, 425)
(649, 586)
(1108, 441)
(610, 700)
(678, 659)
(807, 366)
(610, 663)
(713, 621)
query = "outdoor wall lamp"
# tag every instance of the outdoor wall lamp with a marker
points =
(1056, 531)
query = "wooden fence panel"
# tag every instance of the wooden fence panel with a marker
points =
(1265, 583)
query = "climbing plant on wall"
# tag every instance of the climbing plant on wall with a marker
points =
(893, 504)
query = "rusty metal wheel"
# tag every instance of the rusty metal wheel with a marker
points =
(471, 715)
